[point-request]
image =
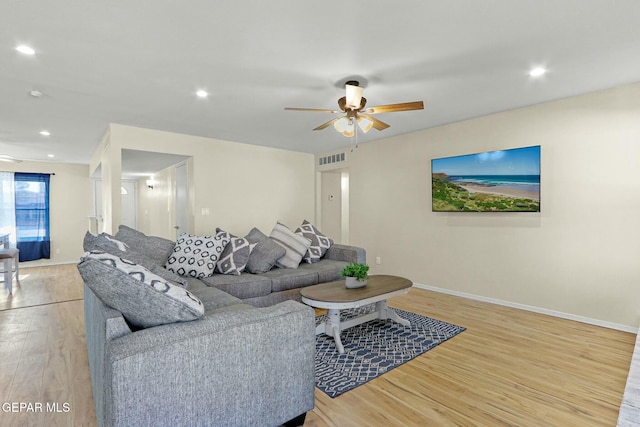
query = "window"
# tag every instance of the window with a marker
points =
(25, 213)
(7, 206)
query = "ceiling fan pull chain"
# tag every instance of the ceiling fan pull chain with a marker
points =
(354, 137)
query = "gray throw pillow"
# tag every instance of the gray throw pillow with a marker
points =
(295, 245)
(320, 243)
(153, 247)
(235, 255)
(265, 254)
(143, 298)
(89, 241)
(196, 256)
(106, 243)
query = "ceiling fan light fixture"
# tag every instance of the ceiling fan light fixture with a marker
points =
(365, 124)
(354, 96)
(345, 126)
(342, 124)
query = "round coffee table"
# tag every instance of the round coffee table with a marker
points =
(334, 296)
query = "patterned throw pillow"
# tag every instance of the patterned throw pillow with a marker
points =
(144, 298)
(235, 255)
(319, 242)
(295, 245)
(196, 256)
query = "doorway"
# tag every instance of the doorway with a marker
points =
(334, 205)
(128, 192)
(181, 199)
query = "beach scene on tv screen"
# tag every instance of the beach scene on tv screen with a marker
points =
(494, 181)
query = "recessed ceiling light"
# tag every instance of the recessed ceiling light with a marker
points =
(45, 133)
(50, 155)
(202, 94)
(537, 72)
(35, 93)
(27, 50)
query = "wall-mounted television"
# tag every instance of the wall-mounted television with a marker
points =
(494, 181)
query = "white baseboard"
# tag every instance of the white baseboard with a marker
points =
(36, 264)
(582, 319)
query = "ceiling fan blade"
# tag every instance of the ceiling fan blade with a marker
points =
(313, 110)
(390, 108)
(327, 124)
(378, 124)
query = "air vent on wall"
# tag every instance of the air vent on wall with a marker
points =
(330, 159)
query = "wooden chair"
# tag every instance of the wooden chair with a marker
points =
(7, 255)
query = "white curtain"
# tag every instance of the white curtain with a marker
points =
(7, 206)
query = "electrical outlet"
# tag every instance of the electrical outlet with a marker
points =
(378, 260)
(205, 211)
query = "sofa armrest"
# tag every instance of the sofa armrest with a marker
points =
(346, 253)
(245, 367)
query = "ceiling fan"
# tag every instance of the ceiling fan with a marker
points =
(353, 105)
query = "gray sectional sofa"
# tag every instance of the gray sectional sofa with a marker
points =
(246, 358)
(282, 284)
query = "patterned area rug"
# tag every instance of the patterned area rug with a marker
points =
(374, 348)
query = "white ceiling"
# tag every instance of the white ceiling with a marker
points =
(140, 63)
(137, 164)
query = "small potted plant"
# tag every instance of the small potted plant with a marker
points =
(356, 275)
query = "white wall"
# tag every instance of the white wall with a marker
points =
(580, 255)
(155, 206)
(240, 185)
(70, 205)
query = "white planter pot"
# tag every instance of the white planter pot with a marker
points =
(352, 283)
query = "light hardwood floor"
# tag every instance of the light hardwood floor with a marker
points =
(510, 367)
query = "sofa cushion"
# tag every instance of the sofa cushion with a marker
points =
(283, 279)
(105, 243)
(295, 245)
(244, 286)
(234, 307)
(265, 254)
(143, 298)
(319, 242)
(155, 248)
(328, 270)
(214, 298)
(235, 255)
(193, 284)
(196, 256)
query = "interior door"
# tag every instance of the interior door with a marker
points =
(128, 191)
(181, 199)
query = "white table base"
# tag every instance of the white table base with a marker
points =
(333, 326)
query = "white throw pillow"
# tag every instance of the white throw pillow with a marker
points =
(295, 246)
(144, 298)
(196, 256)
